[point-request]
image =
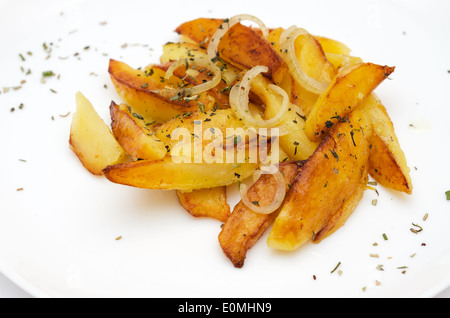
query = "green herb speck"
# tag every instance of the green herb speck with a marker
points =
(48, 74)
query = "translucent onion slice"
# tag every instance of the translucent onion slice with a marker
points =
(287, 45)
(279, 195)
(190, 91)
(239, 99)
(228, 24)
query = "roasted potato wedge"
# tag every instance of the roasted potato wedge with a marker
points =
(210, 203)
(244, 227)
(166, 174)
(344, 212)
(144, 90)
(199, 30)
(203, 128)
(387, 161)
(345, 93)
(325, 191)
(242, 46)
(332, 46)
(91, 139)
(135, 134)
(202, 152)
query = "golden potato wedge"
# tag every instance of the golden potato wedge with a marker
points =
(203, 128)
(134, 134)
(332, 46)
(244, 227)
(144, 90)
(344, 94)
(199, 30)
(198, 166)
(91, 139)
(305, 99)
(319, 199)
(242, 46)
(166, 174)
(342, 214)
(388, 165)
(210, 203)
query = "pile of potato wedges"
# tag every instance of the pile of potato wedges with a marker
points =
(335, 139)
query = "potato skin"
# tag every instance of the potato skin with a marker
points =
(325, 192)
(133, 135)
(140, 90)
(242, 46)
(166, 174)
(199, 30)
(345, 93)
(388, 164)
(244, 227)
(210, 203)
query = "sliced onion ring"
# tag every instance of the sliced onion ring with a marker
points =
(287, 45)
(279, 194)
(239, 99)
(228, 24)
(199, 88)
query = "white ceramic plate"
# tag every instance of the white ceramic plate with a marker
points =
(58, 235)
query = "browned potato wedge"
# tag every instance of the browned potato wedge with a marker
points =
(341, 216)
(206, 203)
(332, 46)
(344, 94)
(242, 46)
(387, 160)
(204, 150)
(143, 90)
(200, 30)
(197, 124)
(169, 175)
(325, 191)
(91, 139)
(135, 134)
(244, 227)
